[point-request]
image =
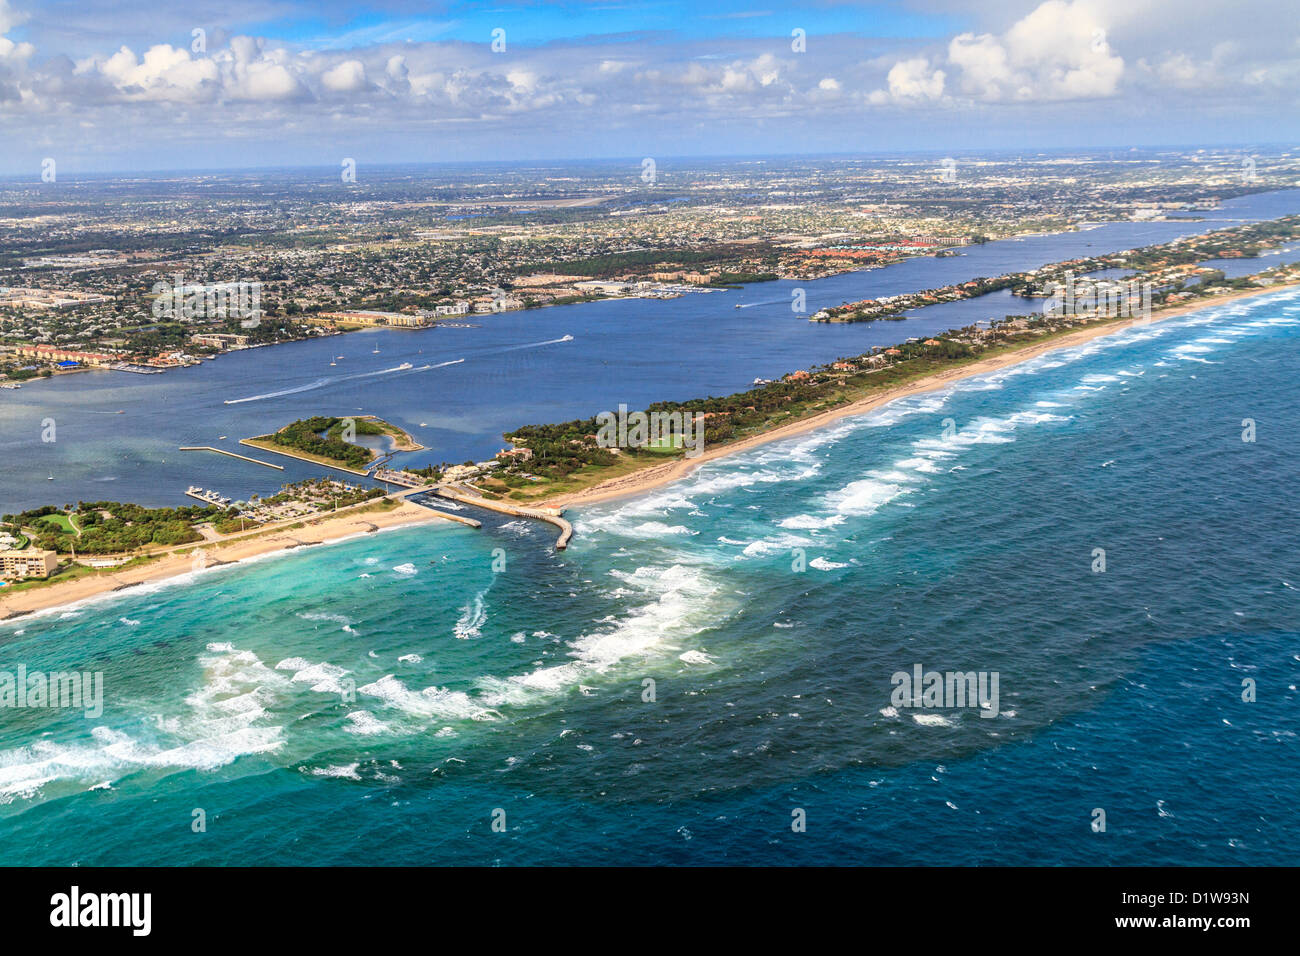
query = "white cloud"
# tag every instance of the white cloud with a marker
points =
(348, 77)
(1060, 51)
(164, 73)
(911, 81)
(11, 53)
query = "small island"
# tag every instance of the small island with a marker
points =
(328, 440)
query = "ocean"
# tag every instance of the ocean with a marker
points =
(708, 674)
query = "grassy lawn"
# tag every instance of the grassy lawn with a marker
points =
(665, 446)
(536, 491)
(64, 523)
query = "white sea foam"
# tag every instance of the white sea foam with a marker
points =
(340, 771)
(821, 564)
(365, 724)
(811, 522)
(653, 528)
(932, 720)
(436, 702)
(683, 601)
(866, 496)
(472, 618)
(323, 678)
(779, 543)
(695, 657)
(223, 719)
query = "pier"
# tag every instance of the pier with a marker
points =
(222, 451)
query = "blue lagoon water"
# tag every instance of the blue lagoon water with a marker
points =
(769, 597)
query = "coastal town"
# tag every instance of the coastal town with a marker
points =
(288, 264)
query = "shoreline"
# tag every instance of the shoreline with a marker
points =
(178, 563)
(657, 476)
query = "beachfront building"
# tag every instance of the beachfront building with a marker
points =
(220, 340)
(50, 353)
(27, 563)
(390, 319)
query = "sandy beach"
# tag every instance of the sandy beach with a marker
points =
(657, 475)
(182, 560)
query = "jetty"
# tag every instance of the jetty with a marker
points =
(550, 517)
(444, 514)
(222, 451)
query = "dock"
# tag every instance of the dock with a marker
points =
(208, 497)
(222, 451)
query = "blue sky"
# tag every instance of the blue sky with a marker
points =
(124, 84)
(537, 23)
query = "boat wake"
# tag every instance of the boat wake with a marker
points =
(338, 379)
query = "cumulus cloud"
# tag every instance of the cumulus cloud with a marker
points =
(911, 81)
(163, 73)
(11, 52)
(1059, 51)
(1064, 52)
(348, 77)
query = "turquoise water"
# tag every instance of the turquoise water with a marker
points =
(770, 598)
